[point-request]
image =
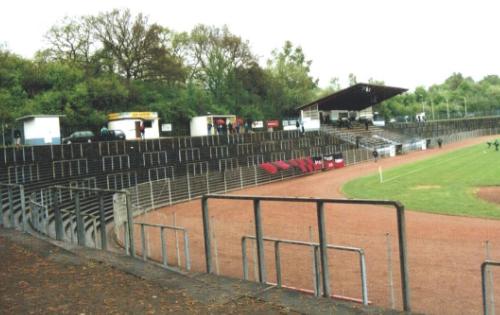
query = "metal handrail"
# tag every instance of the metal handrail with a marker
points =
(320, 202)
(162, 228)
(484, 267)
(277, 241)
(10, 194)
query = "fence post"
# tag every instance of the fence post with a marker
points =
(23, 207)
(152, 195)
(490, 280)
(57, 216)
(241, 177)
(125, 237)
(483, 287)
(405, 286)
(143, 242)
(364, 281)
(102, 223)
(389, 270)
(11, 208)
(206, 234)
(80, 229)
(163, 247)
(277, 259)
(244, 257)
(323, 248)
(225, 183)
(130, 224)
(260, 241)
(188, 186)
(186, 251)
(316, 271)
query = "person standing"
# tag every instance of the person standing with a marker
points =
(143, 131)
(104, 132)
(17, 137)
(440, 142)
(375, 155)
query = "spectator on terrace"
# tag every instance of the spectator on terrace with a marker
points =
(104, 132)
(209, 128)
(143, 130)
(230, 127)
(375, 155)
(17, 137)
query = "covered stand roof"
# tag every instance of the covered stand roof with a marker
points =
(356, 97)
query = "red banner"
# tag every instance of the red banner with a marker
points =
(273, 123)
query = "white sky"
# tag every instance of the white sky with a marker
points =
(404, 43)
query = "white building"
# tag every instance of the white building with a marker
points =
(207, 125)
(40, 129)
(130, 124)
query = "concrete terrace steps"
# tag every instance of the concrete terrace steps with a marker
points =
(268, 146)
(206, 289)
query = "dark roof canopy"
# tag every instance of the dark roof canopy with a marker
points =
(356, 97)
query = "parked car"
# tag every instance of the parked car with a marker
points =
(79, 137)
(112, 135)
(117, 135)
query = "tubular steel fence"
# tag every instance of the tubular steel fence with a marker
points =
(488, 308)
(323, 246)
(163, 242)
(80, 214)
(15, 200)
(58, 210)
(316, 268)
(168, 191)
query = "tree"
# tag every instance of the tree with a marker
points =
(138, 49)
(71, 41)
(291, 84)
(214, 56)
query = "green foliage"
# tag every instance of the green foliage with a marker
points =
(451, 99)
(116, 61)
(445, 184)
(290, 82)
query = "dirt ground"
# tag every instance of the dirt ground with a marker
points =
(444, 252)
(39, 278)
(490, 194)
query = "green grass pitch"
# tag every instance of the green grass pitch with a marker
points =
(444, 184)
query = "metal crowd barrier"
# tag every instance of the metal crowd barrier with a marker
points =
(484, 269)
(323, 246)
(10, 197)
(164, 253)
(315, 246)
(80, 229)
